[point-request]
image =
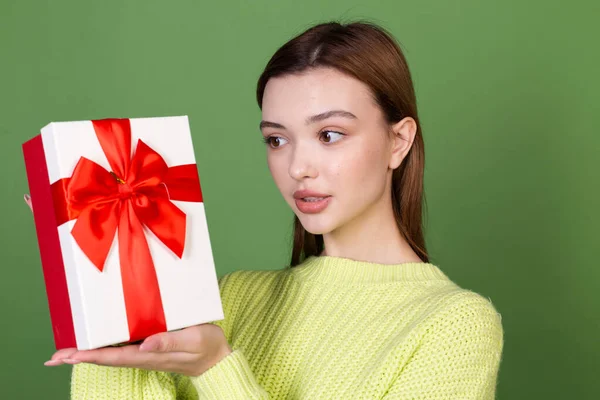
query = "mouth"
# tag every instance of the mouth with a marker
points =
(312, 205)
(312, 199)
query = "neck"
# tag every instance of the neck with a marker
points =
(344, 271)
(372, 236)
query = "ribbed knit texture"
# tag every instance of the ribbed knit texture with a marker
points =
(333, 328)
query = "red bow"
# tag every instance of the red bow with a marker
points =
(136, 193)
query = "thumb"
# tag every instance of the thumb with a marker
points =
(160, 342)
(187, 340)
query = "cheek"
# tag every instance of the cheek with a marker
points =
(361, 174)
(278, 169)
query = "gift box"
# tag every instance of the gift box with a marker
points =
(122, 230)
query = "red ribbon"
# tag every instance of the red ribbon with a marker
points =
(136, 193)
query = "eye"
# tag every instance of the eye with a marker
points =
(273, 141)
(331, 136)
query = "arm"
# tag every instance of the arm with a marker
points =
(92, 381)
(231, 378)
(459, 357)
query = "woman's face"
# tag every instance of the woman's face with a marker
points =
(326, 134)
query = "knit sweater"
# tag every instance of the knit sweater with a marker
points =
(333, 328)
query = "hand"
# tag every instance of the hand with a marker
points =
(190, 351)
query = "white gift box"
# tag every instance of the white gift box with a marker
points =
(87, 304)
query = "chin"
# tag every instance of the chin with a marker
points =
(316, 224)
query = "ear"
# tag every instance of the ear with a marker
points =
(404, 133)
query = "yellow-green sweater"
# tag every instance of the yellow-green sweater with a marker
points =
(333, 328)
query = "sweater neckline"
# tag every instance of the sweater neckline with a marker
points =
(332, 269)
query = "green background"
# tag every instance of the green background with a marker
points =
(508, 97)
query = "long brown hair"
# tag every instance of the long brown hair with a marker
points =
(370, 54)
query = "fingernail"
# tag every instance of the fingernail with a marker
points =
(71, 361)
(52, 363)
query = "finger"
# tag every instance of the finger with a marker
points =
(130, 356)
(27, 199)
(123, 356)
(64, 353)
(58, 357)
(187, 340)
(105, 355)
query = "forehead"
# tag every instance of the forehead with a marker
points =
(315, 91)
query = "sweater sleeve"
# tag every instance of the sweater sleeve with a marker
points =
(231, 378)
(458, 358)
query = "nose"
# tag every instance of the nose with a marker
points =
(302, 164)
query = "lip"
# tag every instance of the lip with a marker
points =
(300, 194)
(311, 207)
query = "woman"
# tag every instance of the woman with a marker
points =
(360, 313)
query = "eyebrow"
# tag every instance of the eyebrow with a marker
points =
(312, 119)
